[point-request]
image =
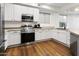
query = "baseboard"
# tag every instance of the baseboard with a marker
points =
(60, 42)
(17, 45)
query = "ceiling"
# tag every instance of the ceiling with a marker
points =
(63, 8)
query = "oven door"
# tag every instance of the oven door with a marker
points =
(27, 37)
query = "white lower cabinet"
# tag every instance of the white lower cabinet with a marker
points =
(12, 37)
(59, 35)
(40, 35)
(9, 12)
(36, 14)
(68, 39)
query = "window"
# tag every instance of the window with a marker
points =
(44, 18)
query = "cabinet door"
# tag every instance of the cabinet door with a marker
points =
(30, 10)
(41, 18)
(54, 34)
(27, 37)
(9, 12)
(13, 37)
(61, 36)
(37, 36)
(26, 10)
(49, 34)
(16, 37)
(36, 14)
(43, 34)
(17, 12)
(6, 38)
(68, 39)
(40, 35)
(47, 18)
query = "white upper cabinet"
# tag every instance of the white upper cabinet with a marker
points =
(9, 12)
(41, 17)
(12, 37)
(17, 12)
(36, 14)
(29, 10)
(14, 12)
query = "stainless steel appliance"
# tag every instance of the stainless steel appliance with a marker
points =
(27, 37)
(27, 34)
(27, 29)
(74, 44)
(27, 18)
(2, 47)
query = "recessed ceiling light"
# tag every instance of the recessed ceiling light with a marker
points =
(76, 9)
(64, 17)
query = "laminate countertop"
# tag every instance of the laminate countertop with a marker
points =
(75, 31)
(12, 29)
(36, 29)
(49, 28)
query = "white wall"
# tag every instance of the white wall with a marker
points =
(73, 22)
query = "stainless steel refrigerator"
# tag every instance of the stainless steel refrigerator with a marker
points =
(2, 41)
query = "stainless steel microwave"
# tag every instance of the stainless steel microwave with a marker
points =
(27, 18)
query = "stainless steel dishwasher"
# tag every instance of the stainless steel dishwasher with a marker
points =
(74, 44)
(2, 41)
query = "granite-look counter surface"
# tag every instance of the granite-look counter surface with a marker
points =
(75, 31)
(36, 29)
(47, 29)
(12, 29)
